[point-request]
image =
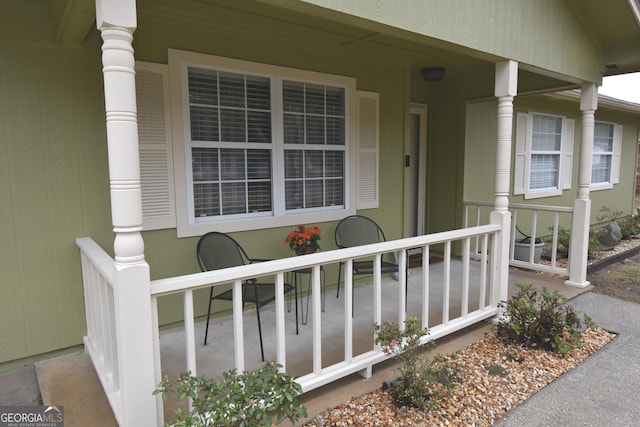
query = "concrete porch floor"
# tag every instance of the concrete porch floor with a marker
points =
(71, 381)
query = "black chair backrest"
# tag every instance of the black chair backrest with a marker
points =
(357, 230)
(217, 250)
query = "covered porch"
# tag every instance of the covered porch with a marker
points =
(211, 360)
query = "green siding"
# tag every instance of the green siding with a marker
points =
(55, 189)
(480, 153)
(513, 29)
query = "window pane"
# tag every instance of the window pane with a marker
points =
(293, 129)
(204, 163)
(334, 192)
(601, 169)
(544, 171)
(314, 99)
(258, 93)
(335, 101)
(335, 131)
(206, 200)
(204, 123)
(293, 165)
(259, 164)
(315, 130)
(232, 90)
(294, 195)
(232, 165)
(234, 198)
(603, 138)
(547, 133)
(334, 163)
(313, 193)
(259, 126)
(203, 86)
(259, 195)
(293, 97)
(313, 164)
(232, 124)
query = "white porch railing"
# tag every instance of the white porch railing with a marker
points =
(101, 341)
(101, 296)
(351, 363)
(526, 217)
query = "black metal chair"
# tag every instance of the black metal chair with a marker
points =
(217, 250)
(358, 230)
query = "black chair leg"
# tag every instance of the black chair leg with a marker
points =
(206, 330)
(339, 275)
(260, 331)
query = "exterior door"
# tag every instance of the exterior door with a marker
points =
(416, 165)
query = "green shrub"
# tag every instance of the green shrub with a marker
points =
(251, 399)
(423, 381)
(541, 320)
(629, 226)
(564, 239)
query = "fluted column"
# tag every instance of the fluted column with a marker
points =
(579, 244)
(506, 87)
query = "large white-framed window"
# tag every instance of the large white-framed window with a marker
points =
(605, 165)
(260, 146)
(543, 155)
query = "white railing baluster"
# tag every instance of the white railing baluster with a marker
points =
(281, 349)
(554, 247)
(515, 209)
(483, 271)
(238, 332)
(190, 340)
(402, 286)
(447, 282)
(189, 332)
(348, 311)
(465, 276)
(425, 286)
(316, 292)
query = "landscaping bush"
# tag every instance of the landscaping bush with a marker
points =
(423, 381)
(541, 320)
(251, 399)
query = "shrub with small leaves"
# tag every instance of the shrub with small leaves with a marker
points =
(541, 320)
(423, 381)
(251, 399)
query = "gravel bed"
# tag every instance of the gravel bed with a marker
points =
(480, 398)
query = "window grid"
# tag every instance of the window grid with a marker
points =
(602, 153)
(231, 116)
(546, 146)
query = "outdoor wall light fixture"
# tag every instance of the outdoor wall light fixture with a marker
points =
(432, 74)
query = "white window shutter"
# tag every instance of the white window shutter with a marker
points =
(566, 166)
(520, 167)
(154, 137)
(368, 156)
(617, 154)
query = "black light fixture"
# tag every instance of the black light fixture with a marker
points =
(433, 74)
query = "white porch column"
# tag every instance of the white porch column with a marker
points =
(506, 87)
(579, 244)
(116, 20)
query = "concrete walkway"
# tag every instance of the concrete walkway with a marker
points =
(602, 391)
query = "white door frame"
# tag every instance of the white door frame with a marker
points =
(421, 111)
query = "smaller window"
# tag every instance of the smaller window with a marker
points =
(602, 153)
(543, 155)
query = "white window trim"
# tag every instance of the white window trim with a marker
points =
(616, 156)
(522, 162)
(178, 61)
